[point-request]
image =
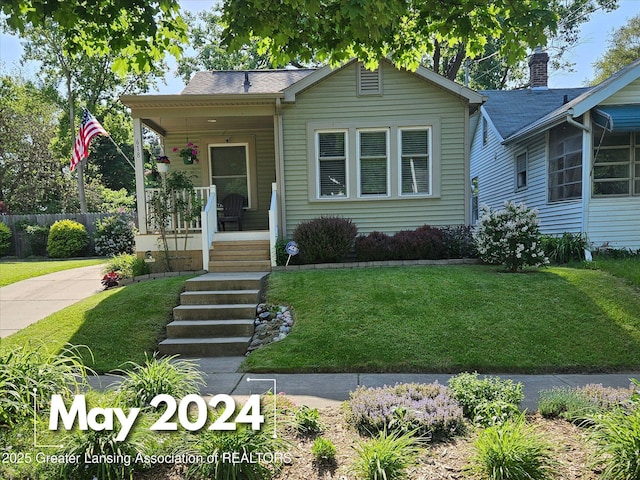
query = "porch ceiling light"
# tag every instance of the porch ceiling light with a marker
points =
(212, 120)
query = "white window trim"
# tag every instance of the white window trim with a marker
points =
(248, 162)
(519, 188)
(316, 141)
(388, 158)
(429, 129)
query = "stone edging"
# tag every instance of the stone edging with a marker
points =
(385, 263)
(155, 276)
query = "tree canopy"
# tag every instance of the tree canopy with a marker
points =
(138, 32)
(405, 32)
(624, 48)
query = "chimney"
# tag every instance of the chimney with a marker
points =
(538, 75)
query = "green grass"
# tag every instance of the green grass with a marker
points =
(118, 325)
(12, 271)
(454, 318)
(627, 268)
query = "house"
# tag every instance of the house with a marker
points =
(387, 148)
(573, 154)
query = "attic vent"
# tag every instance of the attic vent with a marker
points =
(369, 81)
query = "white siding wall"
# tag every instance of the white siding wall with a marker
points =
(494, 165)
(615, 221)
(334, 101)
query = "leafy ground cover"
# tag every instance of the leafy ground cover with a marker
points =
(454, 318)
(118, 325)
(12, 271)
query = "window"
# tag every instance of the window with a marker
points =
(369, 81)
(229, 171)
(332, 163)
(475, 205)
(616, 169)
(415, 161)
(485, 131)
(374, 162)
(521, 171)
(565, 163)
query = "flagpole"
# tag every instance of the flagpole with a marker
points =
(121, 152)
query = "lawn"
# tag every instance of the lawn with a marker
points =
(454, 318)
(118, 325)
(12, 271)
(627, 268)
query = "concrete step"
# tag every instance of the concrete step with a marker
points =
(240, 266)
(227, 281)
(213, 297)
(241, 245)
(240, 255)
(210, 328)
(214, 312)
(205, 347)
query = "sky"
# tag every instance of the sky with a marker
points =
(593, 42)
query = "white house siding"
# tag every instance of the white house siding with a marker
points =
(629, 94)
(494, 165)
(615, 222)
(334, 102)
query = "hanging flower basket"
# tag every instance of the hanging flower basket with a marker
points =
(189, 153)
(162, 164)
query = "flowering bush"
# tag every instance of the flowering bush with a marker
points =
(510, 237)
(111, 279)
(114, 234)
(427, 409)
(189, 153)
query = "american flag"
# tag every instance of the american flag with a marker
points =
(89, 128)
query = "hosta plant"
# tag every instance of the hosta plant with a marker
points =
(510, 237)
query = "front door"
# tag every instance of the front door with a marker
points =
(230, 171)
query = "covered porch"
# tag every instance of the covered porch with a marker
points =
(236, 144)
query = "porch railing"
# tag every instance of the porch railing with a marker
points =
(194, 226)
(209, 221)
(273, 223)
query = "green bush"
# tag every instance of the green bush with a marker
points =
(114, 235)
(514, 450)
(475, 395)
(323, 450)
(325, 239)
(617, 435)
(565, 248)
(386, 457)
(36, 236)
(67, 238)
(127, 266)
(5, 239)
(307, 421)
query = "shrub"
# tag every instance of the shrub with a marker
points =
(473, 393)
(509, 237)
(323, 450)
(67, 238)
(514, 450)
(36, 236)
(458, 241)
(5, 239)
(114, 235)
(565, 248)
(617, 435)
(127, 266)
(168, 375)
(307, 421)
(426, 409)
(386, 457)
(374, 247)
(424, 243)
(325, 239)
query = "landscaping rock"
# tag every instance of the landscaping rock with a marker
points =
(272, 324)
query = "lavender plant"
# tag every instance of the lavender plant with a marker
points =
(429, 410)
(510, 237)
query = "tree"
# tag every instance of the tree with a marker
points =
(139, 32)
(624, 48)
(405, 32)
(31, 177)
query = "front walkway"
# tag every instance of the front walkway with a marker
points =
(28, 301)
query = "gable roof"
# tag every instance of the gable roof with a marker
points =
(234, 82)
(512, 110)
(585, 100)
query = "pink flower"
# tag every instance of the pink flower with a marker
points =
(175, 149)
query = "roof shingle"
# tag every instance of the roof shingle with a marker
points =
(233, 82)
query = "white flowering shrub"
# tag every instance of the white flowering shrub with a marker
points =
(114, 234)
(510, 237)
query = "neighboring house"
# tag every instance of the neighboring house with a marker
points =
(573, 154)
(388, 148)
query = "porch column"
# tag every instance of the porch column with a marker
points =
(139, 164)
(587, 167)
(279, 156)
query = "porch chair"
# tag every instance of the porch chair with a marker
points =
(231, 211)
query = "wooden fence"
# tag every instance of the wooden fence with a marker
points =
(25, 245)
